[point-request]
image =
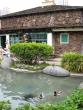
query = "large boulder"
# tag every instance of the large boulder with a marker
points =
(81, 86)
(56, 71)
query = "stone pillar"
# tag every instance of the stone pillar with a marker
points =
(50, 39)
(8, 44)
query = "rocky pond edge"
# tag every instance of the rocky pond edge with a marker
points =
(29, 71)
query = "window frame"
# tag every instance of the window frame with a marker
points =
(67, 38)
(39, 37)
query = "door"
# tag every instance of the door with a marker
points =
(3, 41)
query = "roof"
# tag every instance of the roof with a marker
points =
(45, 9)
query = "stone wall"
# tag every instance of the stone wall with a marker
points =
(57, 19)
(75, 43)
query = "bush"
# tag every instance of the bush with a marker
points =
(72, 62)
(32, 52)
(77, 98)
(5, 105)
(25, 107)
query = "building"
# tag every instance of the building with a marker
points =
(56, 25)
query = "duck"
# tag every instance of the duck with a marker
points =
(41, 96)
(57, 93)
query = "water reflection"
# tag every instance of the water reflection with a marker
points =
(14, 85)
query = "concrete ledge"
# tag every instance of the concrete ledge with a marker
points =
(76, 74)
(23, 70)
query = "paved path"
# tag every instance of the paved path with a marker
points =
(54, 61)
(5, 64)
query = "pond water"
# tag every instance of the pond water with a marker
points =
(14, 85)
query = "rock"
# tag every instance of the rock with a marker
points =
(27, 96)
(81, 86)
(56, 71)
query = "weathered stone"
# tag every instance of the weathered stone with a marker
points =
(66, 19)
(76, 38)
(56, 71)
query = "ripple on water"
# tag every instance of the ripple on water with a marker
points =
(23, 83)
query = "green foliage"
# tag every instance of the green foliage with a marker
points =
(25, 107)
(36, 67)
(72, 62)
(32, 52)
(77, 97)
(5, 105)
(74, 102)
(0, 61)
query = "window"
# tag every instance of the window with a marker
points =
(38, 37)
(14, 38)
(64, 38)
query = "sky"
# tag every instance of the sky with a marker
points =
(17, 5)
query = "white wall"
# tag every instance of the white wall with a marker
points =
(8, 44)
(7, 41)
(50, 39)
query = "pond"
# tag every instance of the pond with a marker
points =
(18, 84)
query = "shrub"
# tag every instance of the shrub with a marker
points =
(72, 62)
(25, 107)
(5, 105)
(32, 52)
(77, 97)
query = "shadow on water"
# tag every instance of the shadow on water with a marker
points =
(15, 85)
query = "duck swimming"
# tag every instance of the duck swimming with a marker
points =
(56, 93)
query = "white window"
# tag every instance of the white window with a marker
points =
(38, 37)
(14, 38)
(64, 38)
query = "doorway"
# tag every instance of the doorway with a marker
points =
(3, 41)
